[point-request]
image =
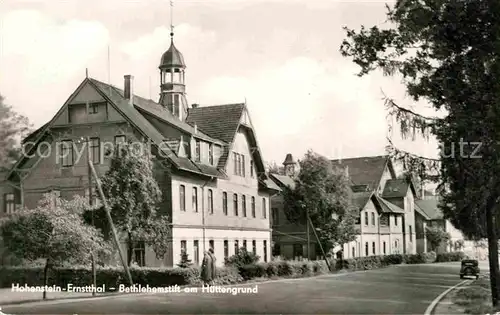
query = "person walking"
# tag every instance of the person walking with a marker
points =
(214, 265)
(207, 269)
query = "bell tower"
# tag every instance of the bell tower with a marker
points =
(172, 79)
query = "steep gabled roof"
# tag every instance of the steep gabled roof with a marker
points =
(219, 121)
(152, 108)
(421, 212)
(283, 180)
(360, 199)
(135, 118)
(387, 206)
(398, 188)
(364, 170)
(430, 208)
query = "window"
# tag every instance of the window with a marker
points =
(182, 197)
(366, 249)
(243, 173)
(10, 204)
(55, 194)
(195, 199)
(198, 151)
(253, 207)
(93, 109)
(384, 248)
(298, 250)
(366, 218)
(373, 218)
(196, 248)
(236, 246)
(120, 139)
(276, 249)
(411, 232)
(251, 169)
(176, 105)
(239, 164)
(140, 254)
(224, 202)
(66, 153)
(265, 251)
(396, 244)
(211, 154)
(254, 247)
(353, 251)
(211, 245)
(395, 221)
(183, 246)
(210, 202)
(384, 220)
(275, 216)
(264, 209)
(373, 248)
(235, 162)
(244, 205)
(235, 204)
(95, 200)
(95, 149)
(226, 249)
(245, 244)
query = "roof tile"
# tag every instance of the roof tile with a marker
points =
(364, 170)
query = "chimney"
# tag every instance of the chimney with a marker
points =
(347, 171)
(195, 128)
(194, 105)
(128, 89)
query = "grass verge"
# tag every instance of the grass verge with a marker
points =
(475, 298)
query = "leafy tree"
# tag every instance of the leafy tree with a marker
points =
(447, 53)
(273, 168)
(436, 236)
(323, 192)
(133, 195)
(185, 261)
(13, 128)
(54, 232)
(458, 245)
(242, 258)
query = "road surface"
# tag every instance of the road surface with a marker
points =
(406, 289)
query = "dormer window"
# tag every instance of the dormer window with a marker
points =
(211, 154)
(198, 151)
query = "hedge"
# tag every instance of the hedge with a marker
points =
(156, 277)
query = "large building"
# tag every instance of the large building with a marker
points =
(392, 217)
(214, 186)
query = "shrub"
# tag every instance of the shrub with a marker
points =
(242, 258)
(393, 259)
(447, 257)
(185, 261)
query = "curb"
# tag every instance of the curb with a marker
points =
(430, 309)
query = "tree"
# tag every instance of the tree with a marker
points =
(447, 53)
(185, 261)
(273, 168)
(436, 236)
(323, 192)
(54, 232)
(133, 196)
(13, 128)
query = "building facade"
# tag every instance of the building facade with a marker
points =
(207, 163)
(391, 216)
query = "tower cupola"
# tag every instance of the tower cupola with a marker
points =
(172, 80)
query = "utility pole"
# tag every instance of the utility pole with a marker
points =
(319, 243)
(308, 236)
(110, 220)
(92, 257)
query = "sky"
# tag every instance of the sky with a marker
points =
(282, 57)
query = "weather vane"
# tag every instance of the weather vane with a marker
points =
(171, 18)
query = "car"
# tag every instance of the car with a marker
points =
(469, 268)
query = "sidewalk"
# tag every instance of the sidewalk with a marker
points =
(7, 296)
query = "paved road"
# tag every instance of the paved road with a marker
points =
(407, 289)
